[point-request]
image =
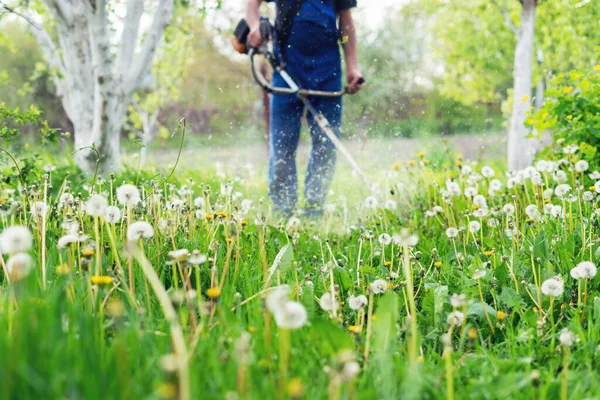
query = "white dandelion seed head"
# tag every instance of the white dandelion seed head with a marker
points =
(474, 226)
(370, 202)
(532, 211)
(493, 222)
(128, 195)
(357, 302)
(16, 239)
(455, 318)
(96, 205)
(199, 202)
(350, 370)
(65, 199)
(378, 286)
(39, 209)
(459, 300)
(277, 297)
(480, 212)
(466, 169)
(581, 166)
(328, 302)
(479, 274)
(561, 190)
(390, 205)
(542, 166)
(470, 192)
(453, 188)
(19, 266)
(556, 211)
(508, 209)
(112, 215)
(451, 232)
(594, 175)
(567, 338)
(570, 149)
(487, 171)
(480, 201)
(587, 196)
(385, 239)
(196, 258)
(560, 176)
(139, 230)
(553, 287)
(584, 270)
(291, 315)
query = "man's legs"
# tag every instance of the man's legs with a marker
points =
(321, 165)
(286, 120)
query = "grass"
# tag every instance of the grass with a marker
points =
(180, 328)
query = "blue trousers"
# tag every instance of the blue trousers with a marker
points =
(286, 121)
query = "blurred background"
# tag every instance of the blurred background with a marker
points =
(435, 69)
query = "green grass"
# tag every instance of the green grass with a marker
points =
(75, 339)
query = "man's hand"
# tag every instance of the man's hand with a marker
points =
(355, 80)
(255, 37)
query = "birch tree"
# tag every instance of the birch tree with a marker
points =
(521, 146)
(94, 78)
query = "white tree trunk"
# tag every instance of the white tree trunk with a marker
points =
(520, 149)
(95, 86)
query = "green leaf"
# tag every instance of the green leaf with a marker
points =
(343, 277)
(476, 309)
(510, 298)
(283, 260)
(332, 337)
(385, 333)
(433, 304)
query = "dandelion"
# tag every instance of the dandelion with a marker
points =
(532, 212)
(180, 255)
(277, 296)
(100, 280)
(291, 315)
(553, 287)
(370, 202)
(560, 176)
(385, 239)
(474, 226)
(581, 166)
(584, 270)
(561, 190)
(199, 202)
(479, 274)
(327, 302)
(39, 209)
(128, 195)
(470, 192)
(405, 238)
(390, 205)
(213, 293)
(16, 239)
(350, 370)
(488, 172)
(378, 286)
(556, 211)
(459, 300)
(570, 149)
(567, 338)
(19, 266)
(196, 258)
(594, 175)
(451, 232)
(96, 205)
(357, 302)
(112, 214)
(69, 239)
(65, 199)
(453, 188)
(455, 318)
(139, 230)
(587, 196)
(501, 315)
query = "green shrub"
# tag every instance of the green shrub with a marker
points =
(572, 114)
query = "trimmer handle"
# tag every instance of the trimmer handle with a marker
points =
(262, 81)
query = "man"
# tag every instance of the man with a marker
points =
(312, 57)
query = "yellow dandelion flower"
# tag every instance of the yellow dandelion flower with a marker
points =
(295, 388)
(244, 223)
(529, 220)
(2, 201)
(167, 390)
(251, 329)
(63, 269)
(101, 280)
(473, 333)
(222, 214)
(229, 240)
(597, 67)
(569, 117)
(501, 315)
(213, 293)
(568, 89)
(421, 154)
(208, 217)
(354, 328)
(426, 162)
(396, 166)
(410, 162)
(575, 75)
(524, 98)
(458, 163)
(87, 252)
(438, 264)
(489, 253)
(373, 317)
(387, 263)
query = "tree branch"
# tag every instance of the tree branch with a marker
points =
(131, 26)
(61, 9)
(44, 40)
(154, 35)
(507, 19)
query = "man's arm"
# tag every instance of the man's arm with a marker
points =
(255, 38)
(349, 43)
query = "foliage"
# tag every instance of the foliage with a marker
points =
(85, 319)
(572, 114)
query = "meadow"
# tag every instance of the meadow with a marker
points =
(451, 279)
